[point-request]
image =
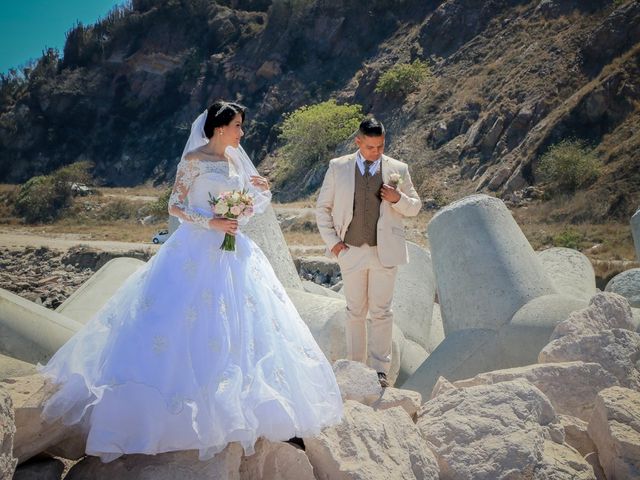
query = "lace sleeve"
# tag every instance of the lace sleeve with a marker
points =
(178, 205)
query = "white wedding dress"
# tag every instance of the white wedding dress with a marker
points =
(198, 348)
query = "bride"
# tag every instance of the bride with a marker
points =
(200, 347)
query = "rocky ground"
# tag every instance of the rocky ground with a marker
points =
(48, 276)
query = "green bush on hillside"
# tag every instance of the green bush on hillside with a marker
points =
(44, 197)
(570, 165)
(160, 207)
(568, 239)
(311, 133)
(403, 78)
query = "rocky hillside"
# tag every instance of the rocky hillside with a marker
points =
(510, 78)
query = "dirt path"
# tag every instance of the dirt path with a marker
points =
(65, 241)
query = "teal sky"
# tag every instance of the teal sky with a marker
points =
(27, 27)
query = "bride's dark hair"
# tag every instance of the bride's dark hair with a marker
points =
(221, 113)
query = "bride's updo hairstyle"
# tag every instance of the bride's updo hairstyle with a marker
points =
(221, 113)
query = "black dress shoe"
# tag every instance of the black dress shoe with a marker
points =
(382, 377)
(297, 442)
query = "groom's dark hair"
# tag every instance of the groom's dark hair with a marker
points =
(371, 127)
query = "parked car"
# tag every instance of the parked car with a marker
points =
(160, 237)
(80, 189)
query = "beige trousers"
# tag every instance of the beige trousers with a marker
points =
(368, 287)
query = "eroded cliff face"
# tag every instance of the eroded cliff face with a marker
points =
(510, 79)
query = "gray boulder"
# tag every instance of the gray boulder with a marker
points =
(626, 284)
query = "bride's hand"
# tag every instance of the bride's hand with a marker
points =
(226, 225)
(260, 182)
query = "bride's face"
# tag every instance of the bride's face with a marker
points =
(232, 133)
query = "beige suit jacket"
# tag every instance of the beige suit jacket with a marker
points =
(334, 208)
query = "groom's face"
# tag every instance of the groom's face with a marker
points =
(371, 148)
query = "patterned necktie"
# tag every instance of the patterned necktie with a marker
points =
(367, 168)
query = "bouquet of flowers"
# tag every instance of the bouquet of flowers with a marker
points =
(234, 204)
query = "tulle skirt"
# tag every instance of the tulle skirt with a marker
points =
(198, 348)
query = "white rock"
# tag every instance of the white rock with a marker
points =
(276, 460)
(12, 367)
(484, 266)
(441, 386)
(617, 350)
(371, 445)
(576, 435)
(391, 397)
(33, 434)
(570, 271)
(627, 284)
(562, 462)
(498, 432)
(357, 381)
(593, 459)
(605, 311)
(164, 466)
(7, 431)
(570, 387)
(615, 430)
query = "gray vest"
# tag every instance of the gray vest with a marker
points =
(366, 210)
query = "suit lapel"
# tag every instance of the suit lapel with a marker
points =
(351, 180)
(385, 166)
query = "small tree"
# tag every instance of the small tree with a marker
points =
(403, 78)
(569, 164)
(44, 197)
(312, 132)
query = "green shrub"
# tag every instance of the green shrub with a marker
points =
(403, 78)
(311, 133)
(569, 165)
(41, 199)
(44, 197)
(161, 206)
(568, 239)
(118, 209)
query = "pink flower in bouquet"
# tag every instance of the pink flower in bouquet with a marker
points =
(232, 204)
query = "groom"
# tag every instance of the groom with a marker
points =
(359, 212)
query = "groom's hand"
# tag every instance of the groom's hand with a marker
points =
(338, 247)
(389, 193)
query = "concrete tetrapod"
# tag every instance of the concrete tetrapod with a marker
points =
(265, 231)
(85, 302)
(570, 271)
(30, 332)
(413, 296)
(484, 266)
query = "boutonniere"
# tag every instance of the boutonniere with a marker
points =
(395, 180)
